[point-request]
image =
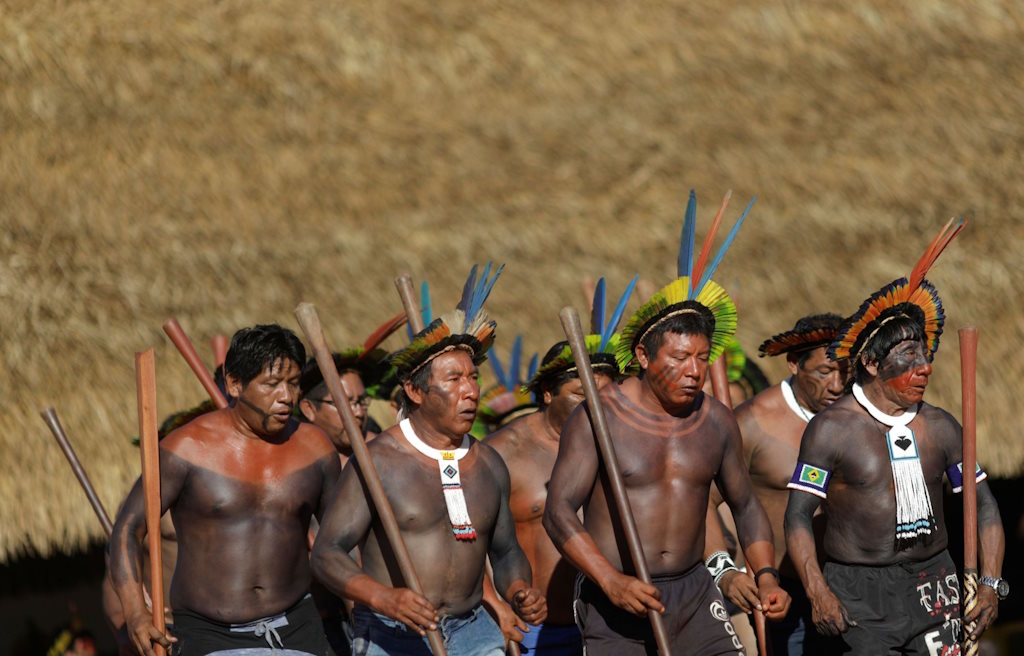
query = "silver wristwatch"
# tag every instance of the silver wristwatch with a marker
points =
(1001, 587)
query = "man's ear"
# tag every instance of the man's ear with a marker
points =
(307, 409)
(870, 366)
(233, 386)
(548, 397)
(642, 356)
(792, 362)
(415, 394)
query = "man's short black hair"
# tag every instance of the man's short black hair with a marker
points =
(828, 321)
(254, 349)
(889, 335)
(699, 322)
(420, 380)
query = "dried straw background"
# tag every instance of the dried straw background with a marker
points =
(219, 162)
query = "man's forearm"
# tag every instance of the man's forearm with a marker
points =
(991, 541)
(801, 550)
(340, 574)
(582, 552)
(511, 573)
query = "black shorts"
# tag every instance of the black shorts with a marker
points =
(696, 620)
(297, 631)
(913, 608)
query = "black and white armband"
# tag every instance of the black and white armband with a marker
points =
(719, 563)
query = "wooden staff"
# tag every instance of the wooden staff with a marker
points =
(145, 382)
(404, 285)
(574, 332)
(219, 343)
(968, 370)
(181, 340)
(310, 323)
(720, 390)
(49, 415)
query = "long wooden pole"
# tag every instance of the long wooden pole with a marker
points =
(574, 332)
(181, 340)
(968, 372)
(219, 343)
(145, 382)
(310, 322)
(720, 389)
(49, 415)
(404, 285)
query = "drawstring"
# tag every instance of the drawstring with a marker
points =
(265, 629)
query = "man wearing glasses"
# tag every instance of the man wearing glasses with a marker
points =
(318, 408)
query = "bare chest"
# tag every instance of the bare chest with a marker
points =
(530, 473)
(418, 498)
(868, 466)
(270, 493)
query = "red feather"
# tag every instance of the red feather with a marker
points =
(383, 332)
(932, 253)
(709, 240)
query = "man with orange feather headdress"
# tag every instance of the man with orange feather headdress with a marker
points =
(874, 461)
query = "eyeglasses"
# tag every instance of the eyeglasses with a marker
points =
(362, 402)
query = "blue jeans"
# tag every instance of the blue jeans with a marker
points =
(472, 634)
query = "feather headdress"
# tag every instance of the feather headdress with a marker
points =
(601, 343)
(367, 360)
(910, 297)
(467, 327)
(810, 332)
(693, 284)
(509, 398)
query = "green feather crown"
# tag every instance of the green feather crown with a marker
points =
(694, 284)
(475, 334)
(602, 360)
(671, 301)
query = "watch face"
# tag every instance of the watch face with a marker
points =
(1003, 588)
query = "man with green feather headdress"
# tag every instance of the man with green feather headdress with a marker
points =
(449, 494)
(529, 446)
(672, 441)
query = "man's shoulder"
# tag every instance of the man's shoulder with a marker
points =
(206, 429)
(511, 438)
(313, 438)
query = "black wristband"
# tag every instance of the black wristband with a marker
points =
(767, 570)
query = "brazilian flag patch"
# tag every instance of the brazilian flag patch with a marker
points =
(810, 479)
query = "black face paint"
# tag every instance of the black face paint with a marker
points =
(265, 422)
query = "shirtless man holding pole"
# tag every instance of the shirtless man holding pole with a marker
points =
(672, 441)
(242, 484)
(450, 497)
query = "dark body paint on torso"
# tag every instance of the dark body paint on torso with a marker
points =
(861, 503)
(242, 515)
(667, 465)
(450, 570)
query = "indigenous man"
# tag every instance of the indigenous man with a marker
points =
(450, 497)
(671, 441)
(361, 370)
(241, 484)
(876, 458)
(529, 446)
(772, 424)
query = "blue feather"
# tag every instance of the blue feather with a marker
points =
(467, 292)
(408, 331)
(531, 370)
(685, 263)
(597, 311)
(721, 251)
(484, 290)
(426, 311)
(513, 363)
(613, 322)
(477, 302)
(499, 371)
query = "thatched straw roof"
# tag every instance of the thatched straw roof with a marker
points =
(222, 162)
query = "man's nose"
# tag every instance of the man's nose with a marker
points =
(834, 382)
(925, 369)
